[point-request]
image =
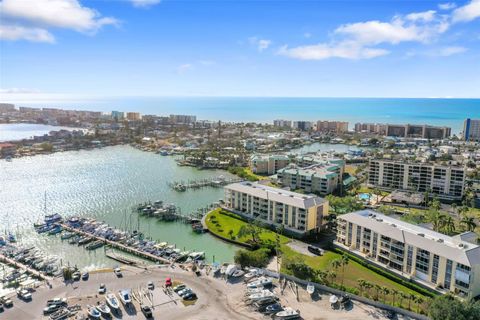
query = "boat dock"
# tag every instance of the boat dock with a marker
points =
(122, 259)
(201, 183)
(29, 270)
(119, 246)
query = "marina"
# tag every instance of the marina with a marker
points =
(214, 182)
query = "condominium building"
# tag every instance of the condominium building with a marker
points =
(471, 130)
(443, 182)
(7, 107)
(297, 212)
(117, 115)
(444, 263)
(405, 130)
(133, 116)
(282, 123)
(302, 125)
(268, 164)
(321, 178)
(182, 119)
(332, 126)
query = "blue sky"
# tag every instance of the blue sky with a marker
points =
(348, 48)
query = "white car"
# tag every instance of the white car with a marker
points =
(24, 295)
(183, 292)
(118, 272)
(102, 289)
(150, 285)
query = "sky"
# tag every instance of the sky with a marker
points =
(341, 48)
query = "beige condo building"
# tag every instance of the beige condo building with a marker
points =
(298, 213)
(443, 263)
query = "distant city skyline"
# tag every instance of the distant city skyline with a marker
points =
(72, 48)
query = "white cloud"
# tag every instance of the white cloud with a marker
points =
(18, 90)
(30, 20)
(323, 51)
(307, 35)
(144, 3)
(447, 6)
(450, 51)
(261, 44)
(419, 16)
(184, 68)
(22, 33)
(468, 12)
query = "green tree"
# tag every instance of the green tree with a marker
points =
(344, 261)
(257, 258)
(469, 223)
(385, 292)
(300, 269)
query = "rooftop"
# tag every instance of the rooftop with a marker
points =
(455, 248)
(275, 194)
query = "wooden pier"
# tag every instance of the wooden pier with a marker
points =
(29, 270)
(201, 183)
(120, 246)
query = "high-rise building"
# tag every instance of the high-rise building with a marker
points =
(302, 125)
(298, 213)
(268, 164)
(440, 262)
(182, 119)
(405, 130)
(282, 123)
(332, 126)
(133, 116)
(444, 182)
(471, 130)
(117, 115)
(7, 107)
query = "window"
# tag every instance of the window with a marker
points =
(435, 268)
(448, 274)
(423, 261)
(409, 259)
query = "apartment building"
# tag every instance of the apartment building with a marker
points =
(298, 213)
(182, 119)
(444, 182)
(405, 130)
(117, 115)
(133, 116)
(332, 126)
(471, 130)
(443, 263)
(282, 123)
(302, 125)
(268, 164)
(322, 178)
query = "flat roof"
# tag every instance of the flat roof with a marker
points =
(454, 248)
(290, 198)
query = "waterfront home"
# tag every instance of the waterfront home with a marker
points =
(437, 261)
(298, 213)
(268, 164)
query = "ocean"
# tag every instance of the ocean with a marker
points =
(444, 112)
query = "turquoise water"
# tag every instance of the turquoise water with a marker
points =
(103, 184)
(19, 131)
(448, 112)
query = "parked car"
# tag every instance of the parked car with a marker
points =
(6, 302)
(190, 296)
(315, 250)
(102, 289)
(51, 309)
(24, 295)
(147, 312)
(1, 307)
(76, 276)
(57, 301)
(150, 285)
(183, 292)
(179, 287)
(85, 276)
(168, 282)
(118, 272)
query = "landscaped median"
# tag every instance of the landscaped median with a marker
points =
(349, 273)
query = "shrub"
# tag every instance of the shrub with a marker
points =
(257, 258)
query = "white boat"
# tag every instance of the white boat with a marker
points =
(93, 312)
(310, 288)
(333, 299)
(252, 274)
(260, 282)
(125, 296)
(103, 308)
(223, 269)
(112, 301)
(238, 273)
(287, 313)
(261, 295)
(231, 268)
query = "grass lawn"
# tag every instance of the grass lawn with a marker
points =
(353, 271)
(365, 189)
(350, 169)
(259, 177)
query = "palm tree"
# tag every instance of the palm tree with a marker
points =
(332, 275)
(419, 300)
(321, 276)
(385, 292)
(335, 264)
(469, 223)
(448, 225)
(361, 284)
(394, 293)
(411, 298)
(377, 290)
(436, 218)
(344, 261)
(368, 286)
(403, 295)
